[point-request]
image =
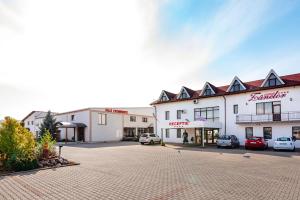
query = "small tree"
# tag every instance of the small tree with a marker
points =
(17, 146)
(49, 123)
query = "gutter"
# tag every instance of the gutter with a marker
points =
(225, 114)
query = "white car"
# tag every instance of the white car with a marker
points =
(149, 138)
(284, 143)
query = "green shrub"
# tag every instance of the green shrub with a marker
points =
(47, 140)
(17, 144)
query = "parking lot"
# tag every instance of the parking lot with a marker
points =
(128, 170)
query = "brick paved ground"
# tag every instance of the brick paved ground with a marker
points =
(132, 171)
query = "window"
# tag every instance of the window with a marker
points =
(267, 133)
(102, 119)
(178, 133)
(167, 115)
(72, 117)
(167, 133)
(272, 81)
(133, 118)
(179, 112)
(209, 113)
(28, 123)
(235, 109)
(31, 122)
(183, 95)
(164, 97)
(296, 132)
(197, 115)
(207, 91)
(145, 119)
(235, 87)
(249, 132)
(268, 108)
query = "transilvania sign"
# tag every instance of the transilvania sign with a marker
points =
(179, 123)
(266, 96)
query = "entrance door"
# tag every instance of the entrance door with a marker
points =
(80, 134)
(198, 136)
(210, 135)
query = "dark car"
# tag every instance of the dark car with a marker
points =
(256, 143)
(228, 141)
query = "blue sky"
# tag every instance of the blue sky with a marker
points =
(97, 54)
(272, 40)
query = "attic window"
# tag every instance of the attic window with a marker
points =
(164, 97)
(183, 95)
(235, 87)
(207, 91)
(272, 81)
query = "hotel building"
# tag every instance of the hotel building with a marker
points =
(268, 107)
(97, 124)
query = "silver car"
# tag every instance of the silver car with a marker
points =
(228, 141)
(149, 138)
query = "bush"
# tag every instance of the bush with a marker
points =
(17, 145)
(46, 143)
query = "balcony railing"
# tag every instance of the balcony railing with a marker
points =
(282, 117)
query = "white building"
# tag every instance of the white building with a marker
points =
(33, 121)
(99, 124)
(268, 107)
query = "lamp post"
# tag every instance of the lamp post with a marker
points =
(59, 150)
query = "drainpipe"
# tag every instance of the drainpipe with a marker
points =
(155, 117)
(225, 114)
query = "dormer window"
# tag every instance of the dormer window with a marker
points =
(183, 95)
(164, 97)
(272, 81)
(207, 91)
(235, 87)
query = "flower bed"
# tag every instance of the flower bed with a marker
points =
(20, 152)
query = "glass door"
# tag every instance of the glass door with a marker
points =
(277, 111)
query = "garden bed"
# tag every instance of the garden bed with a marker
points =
(51, 163)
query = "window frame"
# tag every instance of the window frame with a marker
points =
(298, 127)
(264, 132)
(235, 109)
(132, 118)
(167, 115)
(179, 114)
(178, 131)
(102, 121)
(167, 133)
(144, 119)
(246, 132)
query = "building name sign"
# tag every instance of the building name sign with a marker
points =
(116, 111)
(179, 124)
(271, 95)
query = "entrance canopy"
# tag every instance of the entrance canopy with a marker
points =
(70, 125)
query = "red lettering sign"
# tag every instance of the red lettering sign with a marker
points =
(271, 95)
(178, 123)
(116, 111)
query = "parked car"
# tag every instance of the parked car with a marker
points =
(256, 143)
(149, 138)
(284, 143)
(228, 141)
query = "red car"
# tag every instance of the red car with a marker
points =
(256, 143)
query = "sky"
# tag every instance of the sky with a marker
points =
(62, 55)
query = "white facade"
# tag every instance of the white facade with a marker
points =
(33, 121)
(283, 119)
(87, 125)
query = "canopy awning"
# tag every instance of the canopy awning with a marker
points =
(70, 125)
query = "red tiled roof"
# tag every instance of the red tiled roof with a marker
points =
(289, 80)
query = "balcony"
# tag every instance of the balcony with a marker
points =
(266, 118)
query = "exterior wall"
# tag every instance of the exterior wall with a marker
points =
(289, 103)
(138, 123)
(112, 131)
(188, 106)
(79, 117)
(249, 107)
(28, 124)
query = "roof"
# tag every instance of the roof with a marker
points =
(289, 80)
(70, 125)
